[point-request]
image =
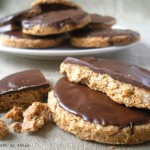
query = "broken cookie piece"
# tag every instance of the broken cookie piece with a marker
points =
(22, 89)
(16, 127)
(3, 129)
(15, 114)
(124, 83)
(35, 117)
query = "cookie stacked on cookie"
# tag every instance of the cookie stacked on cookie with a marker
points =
(99, 33)
(44, 24)
(114, 106)
(44, 27)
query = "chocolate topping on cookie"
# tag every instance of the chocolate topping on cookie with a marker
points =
(53, 7)
(29, 79)
(105, 33)
(95, 18)
(16, 18)
(120, 71)
(97, 107)
(100, 22)
(56, 19)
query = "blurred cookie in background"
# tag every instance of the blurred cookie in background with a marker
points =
(20, 40)
(99, 21)
(103, 38)
(56, 22)
(52, 5)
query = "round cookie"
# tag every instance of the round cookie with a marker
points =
(91, 115)
(124, 83)
(103, 38)
(20, 40)
(55, 4)
(99, 22)
(56, 22)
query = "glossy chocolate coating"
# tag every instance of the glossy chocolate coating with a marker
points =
(34, 11)
(96, 107)
(120, 71)
(21, 35)
(105, 33)
(16, 18)
(98, 19)
(56, 19)
(54, 7)
(28, 79)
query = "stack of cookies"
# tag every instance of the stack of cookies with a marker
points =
(47, 23)
(102, 100)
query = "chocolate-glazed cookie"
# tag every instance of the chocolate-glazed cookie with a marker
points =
(56, 22)
(124, 83)
(22, 89)
(55, 4)
(20, 40)
(99, 22)
(16, 18)
(92, 115)
(94, 38)
(38, 7)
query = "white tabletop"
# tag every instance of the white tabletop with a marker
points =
(50, 136)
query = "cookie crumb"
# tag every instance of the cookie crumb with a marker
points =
(3, 129)
(16, 127)
(35, 117)
(15, 114)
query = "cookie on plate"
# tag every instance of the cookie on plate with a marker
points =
(92, 38)
(16, 18)
(56, 22)
(51, 5)
(99, 22)
(22, 89)
(20, 40)
(124, 83)
(92, 115)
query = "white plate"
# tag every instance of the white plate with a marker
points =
(61, 52)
